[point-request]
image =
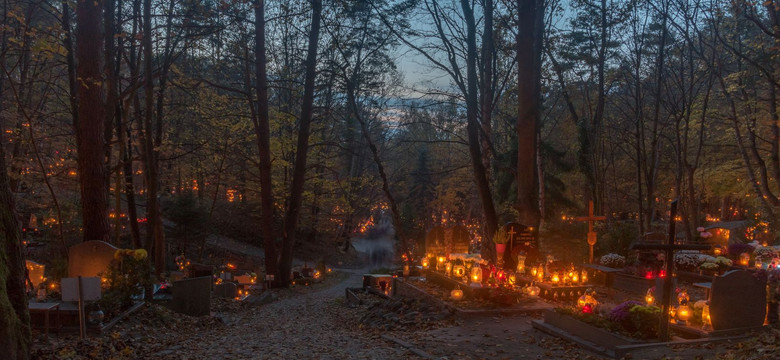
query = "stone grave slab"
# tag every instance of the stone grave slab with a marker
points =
(435, 242)
(737, 300)
(460, 239)
(35, 271)
(90, 258)
(192, 296)
(226, 290)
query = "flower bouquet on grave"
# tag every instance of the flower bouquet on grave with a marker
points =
(613, 260)
(500, 238)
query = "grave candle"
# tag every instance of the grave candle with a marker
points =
(476, 274)
(533, 290)
(459, 271)
(684, 313)
(448, 269)
(424, 262)
(705, 317)
(521, 264)
(555, 279)
(456, 294)
(584, 277)
(744, 259)
(649, 299)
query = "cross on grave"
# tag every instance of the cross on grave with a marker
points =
(669, 249)
(590, 219)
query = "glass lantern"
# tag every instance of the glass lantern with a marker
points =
(476, 274)
(744, 259)
(521, 264)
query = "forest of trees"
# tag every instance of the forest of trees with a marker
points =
(296, 113)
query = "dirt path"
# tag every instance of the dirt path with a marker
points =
(316, 325)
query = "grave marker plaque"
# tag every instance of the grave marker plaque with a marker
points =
(192, 296)
(90, 258)
(737, 300)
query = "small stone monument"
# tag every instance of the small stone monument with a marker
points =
(90, 258)
(737, 300)
(461, 239)
(226, 290)
(192, 296)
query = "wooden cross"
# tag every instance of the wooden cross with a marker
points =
(590, 219)
(669, 249)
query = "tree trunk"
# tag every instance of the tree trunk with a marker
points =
(302, 149)
(71, 61)
(528, 107)
(155, 236)
(91, 114)
(263, 132)
(472, 112)
(15, 340)
(486, 91)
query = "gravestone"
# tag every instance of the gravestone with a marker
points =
(90, 288)
(434, 241)
(192, 296)
(737, 300)
(461, 239)
(226, 290)
(198, 270)
(90, 258)
(521, 241)
(35, 272)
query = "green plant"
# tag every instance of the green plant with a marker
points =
(501, 237)
(645, 320)
(129, 272)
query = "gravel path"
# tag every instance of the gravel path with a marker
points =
(316, 325)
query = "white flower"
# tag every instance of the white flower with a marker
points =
(613, 260)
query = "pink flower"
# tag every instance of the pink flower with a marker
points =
(700, 229)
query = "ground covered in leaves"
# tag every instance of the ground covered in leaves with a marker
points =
(314, 322)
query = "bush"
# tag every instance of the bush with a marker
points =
(645, 321)
(129, 272)
(617, 238)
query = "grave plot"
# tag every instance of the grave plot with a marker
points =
(104, 285)
(734, 305)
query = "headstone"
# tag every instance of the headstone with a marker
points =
(35, 272)
(90, 258)
(192, 296)
(434, 241)
(198, 270)
(226, 290)
(461, 239)
(737, 300)
(521, 240)
(90, 288)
